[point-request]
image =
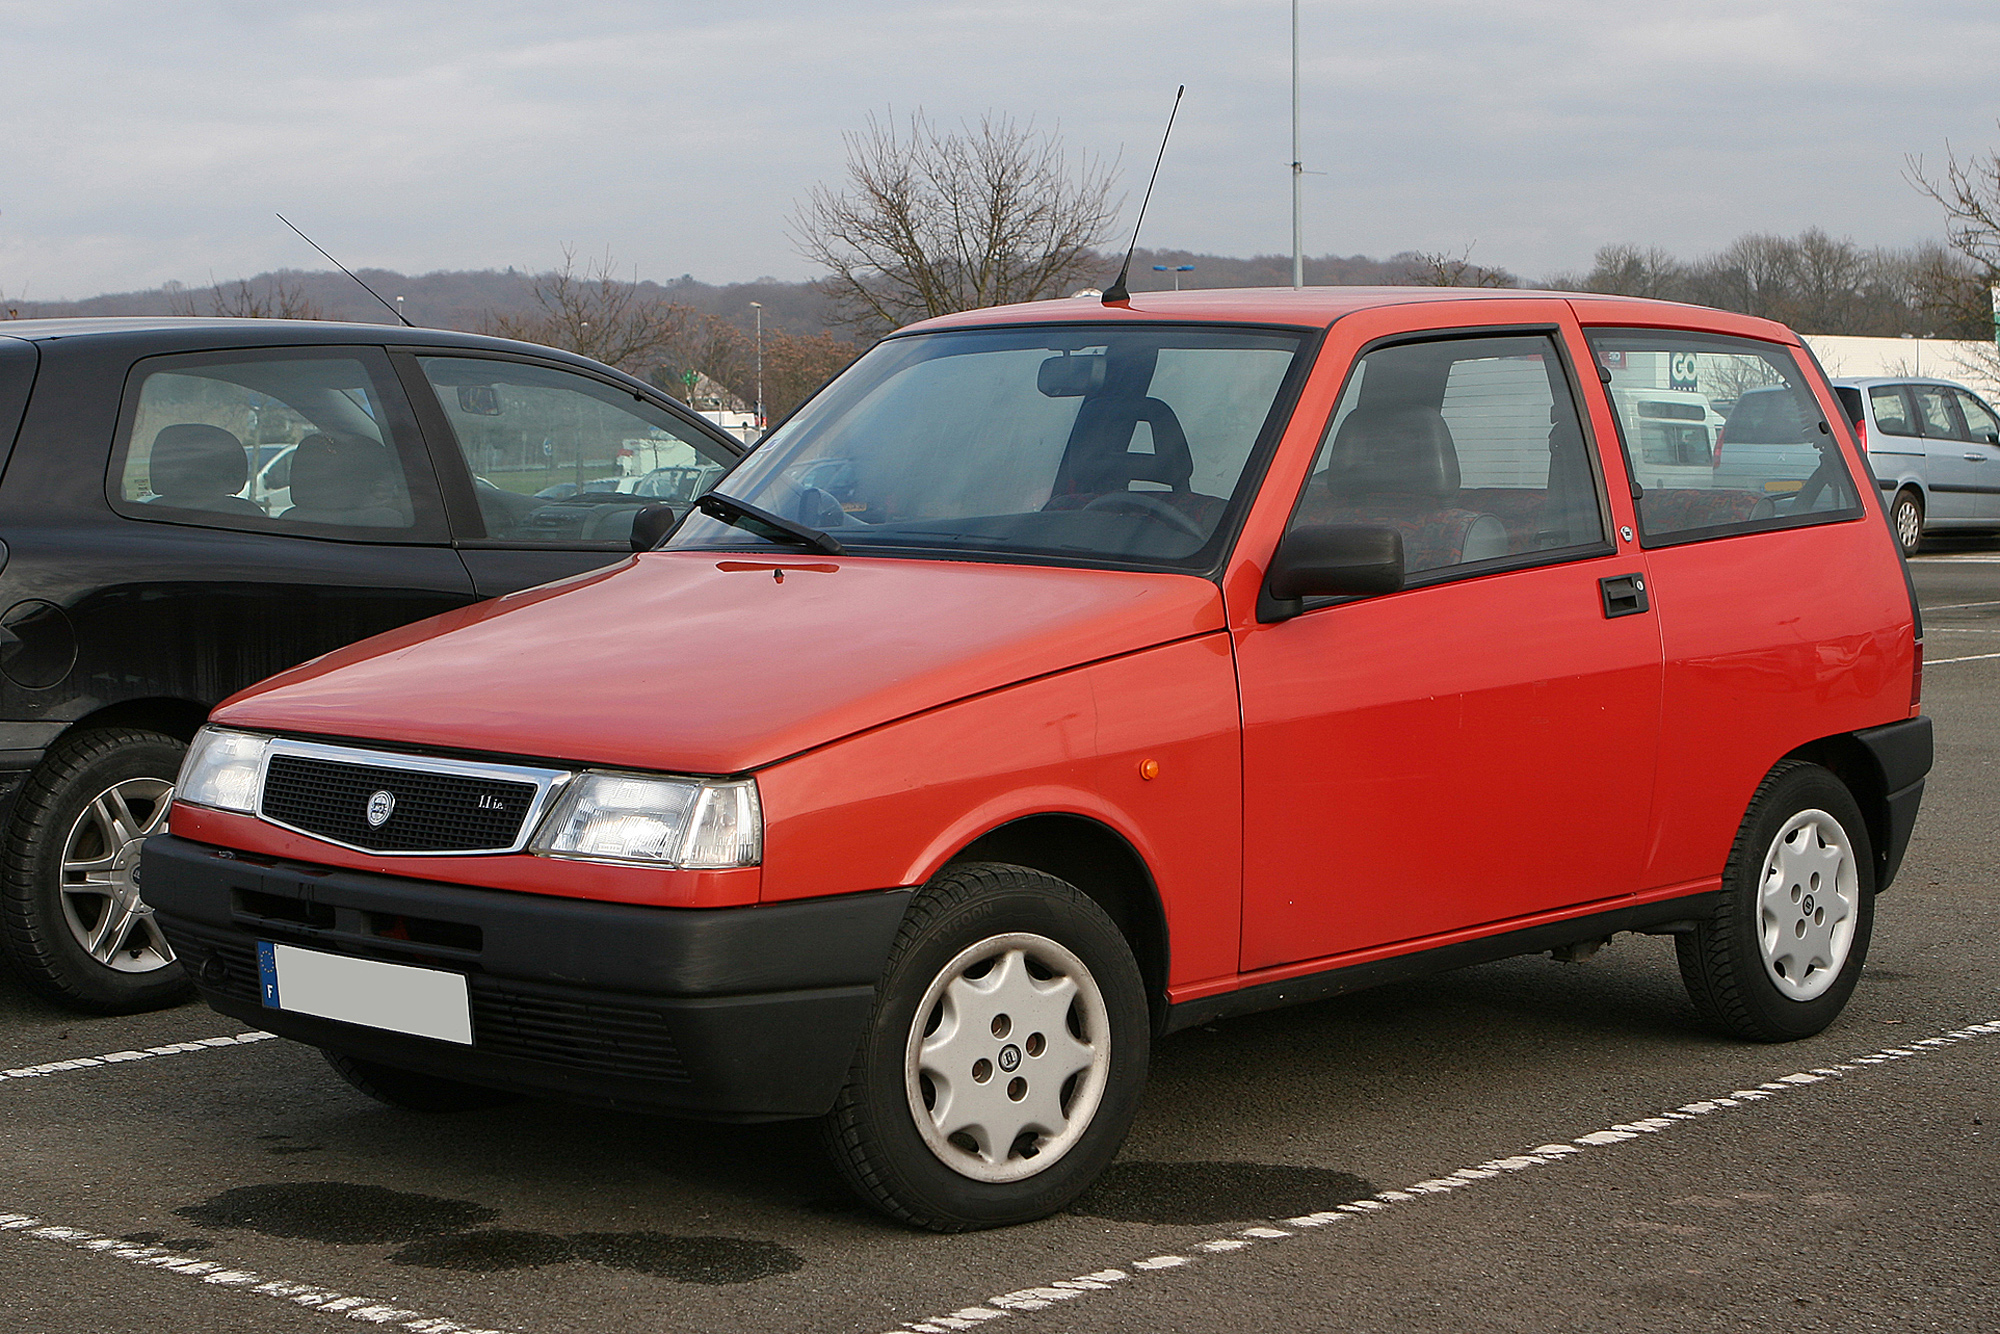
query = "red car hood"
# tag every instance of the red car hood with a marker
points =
(696, 663)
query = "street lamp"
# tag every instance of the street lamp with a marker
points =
(1177, 270)
(758, 306)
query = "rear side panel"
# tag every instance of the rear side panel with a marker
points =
(17, 377)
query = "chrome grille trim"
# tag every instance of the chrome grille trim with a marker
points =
(548, 784)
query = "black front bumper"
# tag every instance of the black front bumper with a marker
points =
(748, 1012)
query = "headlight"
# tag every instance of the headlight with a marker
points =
(685, 822)
(223, 769)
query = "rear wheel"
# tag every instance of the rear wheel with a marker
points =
(413, 1090)
(76, 929)
(1906, 515)
(1781, 952)
(1003, 1063)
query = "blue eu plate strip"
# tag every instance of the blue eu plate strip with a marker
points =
(267, 973)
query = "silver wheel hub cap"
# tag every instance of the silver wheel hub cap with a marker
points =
(1909, 523)
(100, 876)
(1007, 1057)
(1807, 901)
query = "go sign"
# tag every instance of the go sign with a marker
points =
(1683, 370)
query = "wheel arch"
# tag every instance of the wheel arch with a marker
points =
(1860, 771)
(1100, 862)
(178, 718)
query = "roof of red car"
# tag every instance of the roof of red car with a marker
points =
(1323, 305)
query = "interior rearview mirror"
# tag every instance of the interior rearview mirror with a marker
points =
(481, 400)
(1069, 376)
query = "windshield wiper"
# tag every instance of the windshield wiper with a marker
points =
(751, 519)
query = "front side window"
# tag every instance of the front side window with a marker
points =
(1126, 445)
(1979, 420)
(561, 459)
(1470, 448)
(1756, 450)
(289, 442)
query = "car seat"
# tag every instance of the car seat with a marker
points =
(1099, 461)
(196, 466)
(344, 481)
(1396, 467)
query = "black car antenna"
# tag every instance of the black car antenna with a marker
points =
(1118, 291)
(364, 286)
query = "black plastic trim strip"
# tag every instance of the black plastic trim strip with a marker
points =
(1664, 916)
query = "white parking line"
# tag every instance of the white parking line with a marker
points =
(1071, 1289)
(141, 1054)
(1973, 657)
(365, 1309)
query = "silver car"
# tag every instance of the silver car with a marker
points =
(1935, 449)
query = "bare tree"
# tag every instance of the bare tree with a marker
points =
(935, 221)
(279, 300)
(1440, 268)
(1955, 284)
(597, 314)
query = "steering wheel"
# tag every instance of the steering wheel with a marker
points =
(1150, 505)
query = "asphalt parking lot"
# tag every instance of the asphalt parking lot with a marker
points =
(1528, 1145)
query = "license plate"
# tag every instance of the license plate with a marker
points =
(422, 1002)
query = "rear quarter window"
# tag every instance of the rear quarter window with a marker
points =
(1773, 460)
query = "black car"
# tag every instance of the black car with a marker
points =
(188, 506)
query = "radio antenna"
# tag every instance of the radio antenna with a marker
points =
(1118, 291)
(350, 272)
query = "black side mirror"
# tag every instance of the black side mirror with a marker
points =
(1345, 560)
(652, 523)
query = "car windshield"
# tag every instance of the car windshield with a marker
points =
(1124, 445)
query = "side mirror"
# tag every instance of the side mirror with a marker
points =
(1331, 561)
(652, 523)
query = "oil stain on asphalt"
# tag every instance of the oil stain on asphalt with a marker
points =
(437, 1234)
(710, 1260)
(1168, 1194)
(335, 1212)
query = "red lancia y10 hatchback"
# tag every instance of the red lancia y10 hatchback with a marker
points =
(1067, 674)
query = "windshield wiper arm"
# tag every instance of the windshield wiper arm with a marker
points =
(748, 517)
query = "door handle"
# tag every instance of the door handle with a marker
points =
(1973, 458)
(1623, 594)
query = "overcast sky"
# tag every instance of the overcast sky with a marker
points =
(141, 142)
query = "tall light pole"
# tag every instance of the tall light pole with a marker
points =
(758, 306)
(1298, 167)
(1177, 270)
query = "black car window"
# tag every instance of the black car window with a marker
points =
(560, 459)
(1892, 410)
(1775, 463)
(1470, 448)
(311, 443)
(1979, 418)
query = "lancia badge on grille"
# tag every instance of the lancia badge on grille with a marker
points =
(380, 807)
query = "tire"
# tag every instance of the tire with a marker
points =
(1906, 516)
(412, 1090)
(76, 930)
(996, 970)
(1780, 954)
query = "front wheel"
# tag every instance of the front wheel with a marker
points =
(1003, 1063)
(1781, 952)
(1906, 515)
(76, 929)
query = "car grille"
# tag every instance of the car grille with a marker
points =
(432, 812)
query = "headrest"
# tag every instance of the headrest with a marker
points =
(196, 461)
(336, 474)
(1399, 450)
(1103, 459)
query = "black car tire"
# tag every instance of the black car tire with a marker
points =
(1007, 958)
(1802, 850)
(1906, 517)
(413, 1090)
(69, 871)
